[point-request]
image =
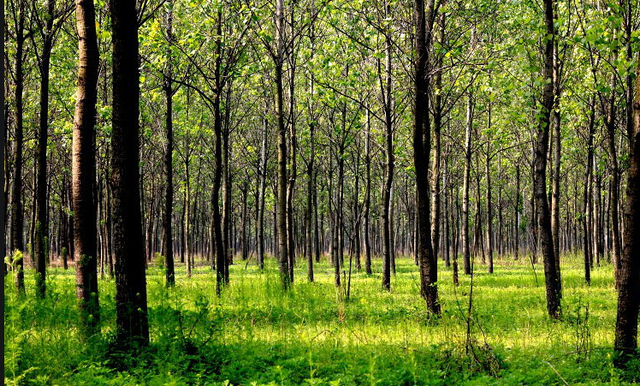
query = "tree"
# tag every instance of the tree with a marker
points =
(168, 158)
(279, 59)
(552, 280)
(128, 247)
(626, 336)
(48, 24)
(17, 212)
(421, 148)
(84, 168)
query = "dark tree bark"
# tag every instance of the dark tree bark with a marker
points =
(586, 213)
(466, 253)
(555, 180)
(263, 181)
(17, 213)
(435, 170)
(610, 125)
(367, 200)
(421, 148)
(517, 214)
(390, 163)
(131, 287)
(310, 193)
(626, 336)
(84, 169)
(167, 224)
(283, 243)
(552, 281)
(227, 187)
(41, 244)
(489, 206)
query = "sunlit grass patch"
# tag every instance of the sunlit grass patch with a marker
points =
(255, 333)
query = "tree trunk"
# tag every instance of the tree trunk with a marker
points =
(367, 200)
(263, 181)
(84, 169)
(310, 189)
(555, 181)
(435, 171)
(283, 243)
(552, 281)
(167, 224)
(614, 187)
(131, 289)
(466, 253)
(489, 205)
(626, 336)
(41, 244)
(421, 149)
(17, 213)
(586, 213)
(390, 161)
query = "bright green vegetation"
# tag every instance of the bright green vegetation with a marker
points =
(257, 335)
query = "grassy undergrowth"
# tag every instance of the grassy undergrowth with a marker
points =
(255, 334)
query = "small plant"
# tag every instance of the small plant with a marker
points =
(158, 260)
(579, 321)
(13, 260)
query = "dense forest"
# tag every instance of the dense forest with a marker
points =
(325, 192)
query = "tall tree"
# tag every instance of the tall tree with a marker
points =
(421, 148)
(84, 168)
(466, 251)
(128, 246)
(279, 59)
(41, 242)
(17, 212)
(626, 336)
(386, 94)
(168, 155)
(552, 280)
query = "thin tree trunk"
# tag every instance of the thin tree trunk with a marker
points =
(466, 253)
(310, 189)
(263, 180)
(367, 200)
(282, 150)
(614, 187)
(489, 205)
(167, 224)
(41, 245)
(17, 212)
(552, 281)
(586, 214)
(390, 162)
(421, 149)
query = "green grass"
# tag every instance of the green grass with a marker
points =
(255, 334)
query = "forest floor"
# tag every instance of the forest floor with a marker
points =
(255, 334)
